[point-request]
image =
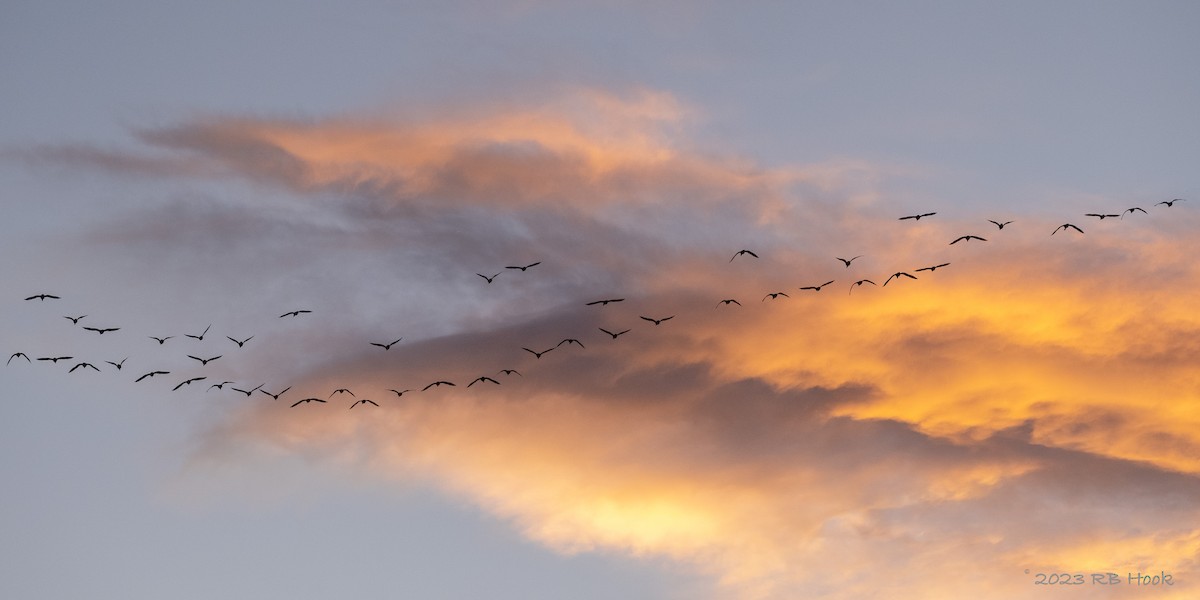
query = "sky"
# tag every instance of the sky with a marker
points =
(1028, 410)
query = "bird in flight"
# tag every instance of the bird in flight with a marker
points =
(1101, 216)
(998, 224)
(615, 335)
(898, 275)
(363, 401)
(294, 313)
(205, 361)
(248, 392)
(537, 354)
(1136, 208)
(1066, 226)
(965, 238)
(729, 301)
(1169, 204)
(568, 341)
(774, 296)
(656, 321)
(118, 365)
(817, 288)
(275, 396)
(342, 391)
(83, 364)
(75, 320)
(917, 217)
(605, 302)
(528, 266)
(202, 334)
(510, 372)
(102, 331)
(151, 374)
(43, 297)
(482, 378)
(399, 393)
(161, 340)
(24, 356)
(489, 279)
(188, 382)
(931, 269)
(219, 386)
(437, 384)
(55, 359)
(387, 346)
(858, 283)
(241, 343)
(307, 400)
(847, 261)
(741, 252)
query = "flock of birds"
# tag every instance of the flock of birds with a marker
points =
(82, 365)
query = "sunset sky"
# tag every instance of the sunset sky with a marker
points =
(1032, 407)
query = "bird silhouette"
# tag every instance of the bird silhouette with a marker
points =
(363, 401)
(741, 252)
(399, 393)
(102, 331)
(274, 396)
(1169, 204)
(528, 266)
(307, 400)
(729, 301)
(201, 336)
(817, 288)
(917, 217)
(21, 355)
(1066, 226)
(605, 302)
(965, 238)
(205, 361)
(847, 261)
(538, 354)
(294, 313)
(1136, 208)
(510, 372)
(481, 379)
(656, 321)
(898, 275)
(161, 340)
(387, 346)
(1101, 216)
(931, 269)
(248, 392)
(569, 341)
(774, 296)
(858, 283)
(83, 364)
(43, 297)
(342, 391)
(55, 359)
(151, 374)
(188, 382)
(998, 224)
(438, 384)
(617, 334)
(219, 386)
(489, 279)
(118, 365)
(241, 343)
(75, 320)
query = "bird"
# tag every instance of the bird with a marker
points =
(151, 374)
(933, 268)
(569, 341)
(966, 238)
(219, 386)
(118, 365)
(387, 346)
(241, 343)
(898, 275)
(75, 320)
(847, 261)
(528, 266)
(481, 379)
(363, 401)
(1066, 226)
(294, 313)
(102, 331)
(248, 392)
(917, 217)
(538, 354)
(275, 396)
(342, 391)
(774, 296)
(729, 301)
(437, 384)
(817, 288)
(614, 335)
(83, 364)
(399, 393)
(510, 372)
(205, 361)
(188, 382)
(1169, 204)
(489, 279)
(306, 400)
(656, 321)
(55, 359)
(998, 224)
(202, 334)
(741, 252)
(858, 283)
(21, 355)
(605, 302)
(1101, 216)
(161, 340)
(43, 297)
(1136, 208)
